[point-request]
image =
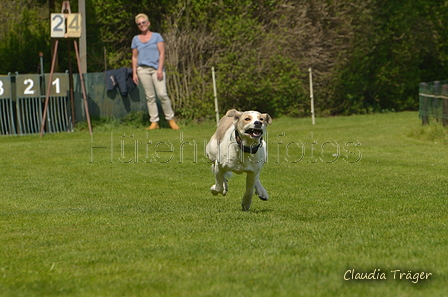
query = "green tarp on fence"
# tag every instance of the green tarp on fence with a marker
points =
(103, 103)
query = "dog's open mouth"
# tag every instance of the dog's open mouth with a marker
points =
(254, 133)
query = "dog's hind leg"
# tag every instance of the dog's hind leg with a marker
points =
(261, 191)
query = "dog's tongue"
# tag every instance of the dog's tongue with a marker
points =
(254, 132)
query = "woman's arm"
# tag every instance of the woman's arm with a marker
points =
(134, 65)
(161, 48)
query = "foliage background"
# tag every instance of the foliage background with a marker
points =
(83, 222)
(366, 55)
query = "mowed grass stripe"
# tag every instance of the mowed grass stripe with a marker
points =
(71, 227)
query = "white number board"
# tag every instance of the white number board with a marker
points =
(5, 87)
(28, 85)
(74, 25)
(59, 84)
(65, 25)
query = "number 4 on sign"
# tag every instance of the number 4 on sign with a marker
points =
(74, 25)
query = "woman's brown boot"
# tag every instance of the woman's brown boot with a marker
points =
(153, 126)
(173, 124)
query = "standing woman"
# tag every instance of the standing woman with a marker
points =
(148, 59)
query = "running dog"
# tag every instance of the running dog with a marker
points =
(238, 146)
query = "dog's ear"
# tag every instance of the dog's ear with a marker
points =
(233, 113)
(267, 118)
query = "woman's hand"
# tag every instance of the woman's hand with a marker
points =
(160, 74)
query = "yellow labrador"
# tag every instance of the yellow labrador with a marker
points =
(238, 146)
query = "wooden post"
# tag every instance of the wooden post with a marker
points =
(313, 120)
(445, 105)
(83, 88)
(424, 103)
(216, 96)
(47, 94)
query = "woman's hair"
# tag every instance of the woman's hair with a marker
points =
(141, 15)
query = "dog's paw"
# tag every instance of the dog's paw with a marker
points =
(214, 192)
(226, 185)
(264, 198)
(262, 194)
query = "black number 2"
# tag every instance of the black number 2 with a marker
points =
(59, 26)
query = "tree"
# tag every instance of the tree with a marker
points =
(19, 49)
(396, 47)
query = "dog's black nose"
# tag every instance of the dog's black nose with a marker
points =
(258, 123)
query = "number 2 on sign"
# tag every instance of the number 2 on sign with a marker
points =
(57, 25)
(29, 90)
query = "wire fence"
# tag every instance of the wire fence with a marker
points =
(434, 101)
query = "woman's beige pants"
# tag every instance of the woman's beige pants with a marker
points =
(147, 76)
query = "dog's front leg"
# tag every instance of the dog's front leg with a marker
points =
(220, 185)
(250, 184)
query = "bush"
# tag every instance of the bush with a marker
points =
(135, 119)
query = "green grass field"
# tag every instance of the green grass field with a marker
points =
(129, 213)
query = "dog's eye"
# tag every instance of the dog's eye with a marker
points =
(247, 119)
(261, 119)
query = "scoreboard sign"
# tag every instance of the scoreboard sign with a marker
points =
(65, 25)
(29, 85)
